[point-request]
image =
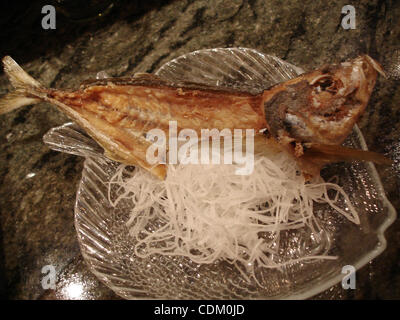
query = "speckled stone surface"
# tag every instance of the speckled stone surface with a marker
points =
(38, 186)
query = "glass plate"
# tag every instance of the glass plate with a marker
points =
(107, 247)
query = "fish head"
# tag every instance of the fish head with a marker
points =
(321, 106)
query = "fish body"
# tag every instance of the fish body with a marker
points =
(316, 109)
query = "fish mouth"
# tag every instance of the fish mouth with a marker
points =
(365, 71)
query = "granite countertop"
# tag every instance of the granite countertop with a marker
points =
(38, 185)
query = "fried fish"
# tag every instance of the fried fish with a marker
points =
(308, 116)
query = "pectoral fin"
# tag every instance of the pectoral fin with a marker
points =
(332, 153)
(315, 156)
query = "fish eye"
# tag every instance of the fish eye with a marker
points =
(325, 83)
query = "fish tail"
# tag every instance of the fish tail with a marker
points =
(15, 100)
(18, 77)
(26, 88)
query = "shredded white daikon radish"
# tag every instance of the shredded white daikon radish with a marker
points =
(207, 212)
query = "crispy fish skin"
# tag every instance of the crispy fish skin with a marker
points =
(319, 107)
(125, 110)
(155, 106)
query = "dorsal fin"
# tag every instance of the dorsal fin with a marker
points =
(152, 80)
